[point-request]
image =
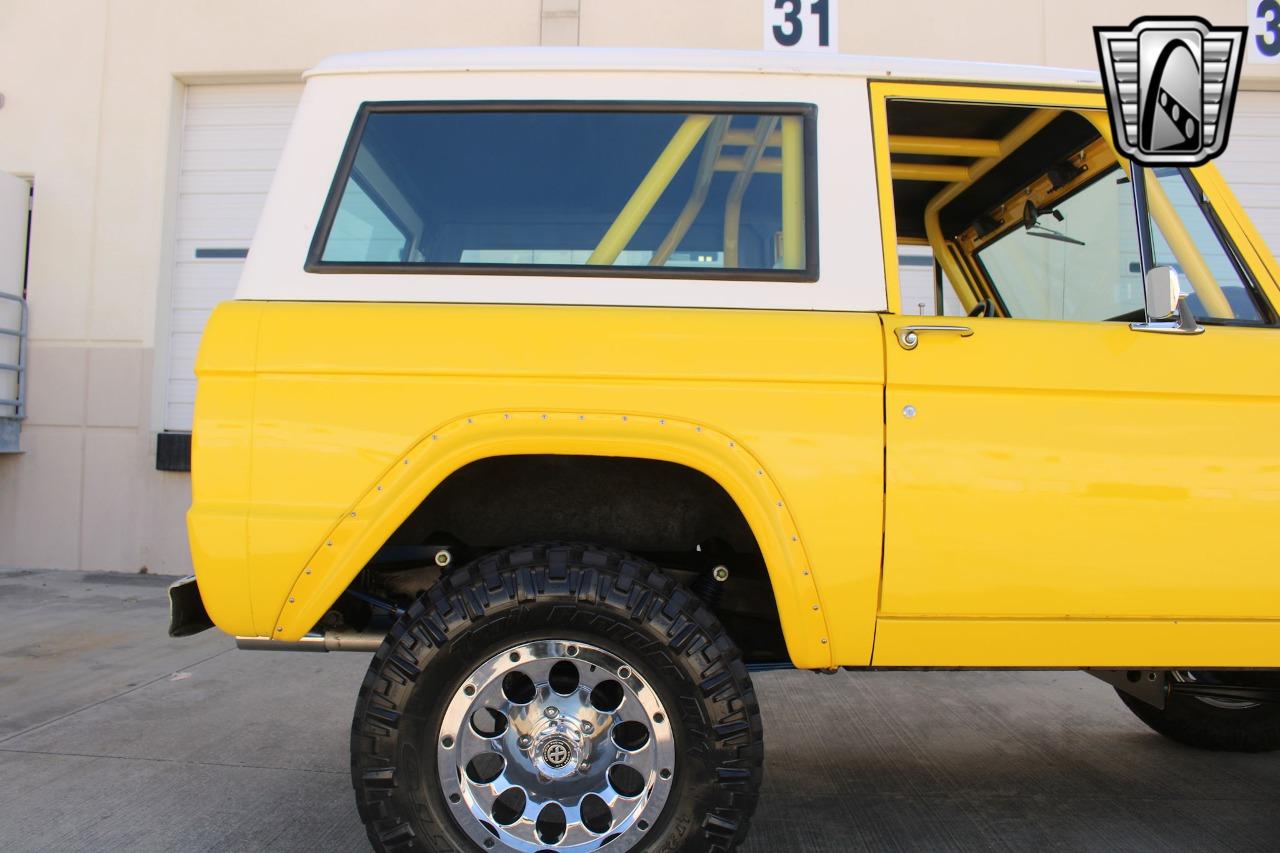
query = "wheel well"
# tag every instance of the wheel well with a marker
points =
(671, 514)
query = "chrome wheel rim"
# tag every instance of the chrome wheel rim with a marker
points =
(555, 745)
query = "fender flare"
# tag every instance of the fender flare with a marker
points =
(370, 521)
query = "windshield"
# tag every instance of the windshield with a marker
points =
(1079, 262)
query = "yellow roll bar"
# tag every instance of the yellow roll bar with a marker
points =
(744, 137)
(945, 146)
(1184, 247)
(764, 166)
(939, 172)
(647, 193)
(733, 204)
(1014, 139)
(701, 184)
(792, 193)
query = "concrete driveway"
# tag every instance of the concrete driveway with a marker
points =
(114, 737)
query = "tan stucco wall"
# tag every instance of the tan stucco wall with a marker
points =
(93, 91)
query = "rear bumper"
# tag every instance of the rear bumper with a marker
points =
(187, 615)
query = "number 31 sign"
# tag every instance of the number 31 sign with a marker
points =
(800, 24)
(1264, 30)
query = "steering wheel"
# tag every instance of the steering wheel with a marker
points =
(984, 308)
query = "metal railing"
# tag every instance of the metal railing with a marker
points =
(19, 401)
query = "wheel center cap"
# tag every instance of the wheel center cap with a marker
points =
(557, 752)
(558, 749)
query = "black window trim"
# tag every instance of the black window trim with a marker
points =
(807, 111)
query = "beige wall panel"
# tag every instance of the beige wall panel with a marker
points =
(40, 500)
(51, 59)
(732, 24)
(56, 381)
(559, 22)
(162, 545)
(114, 396)
(959, 29)
(112, 509)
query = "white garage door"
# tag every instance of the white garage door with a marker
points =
(231, 142)
(1251, 163)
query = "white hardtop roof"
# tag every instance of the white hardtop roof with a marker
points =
(721, 61)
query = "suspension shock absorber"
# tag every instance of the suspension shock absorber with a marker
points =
(709, 586)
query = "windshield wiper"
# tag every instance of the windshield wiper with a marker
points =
(1050, 234)
(1031, 223)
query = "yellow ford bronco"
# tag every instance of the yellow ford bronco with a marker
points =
(577, 385)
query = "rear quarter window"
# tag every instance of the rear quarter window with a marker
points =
(692, 191)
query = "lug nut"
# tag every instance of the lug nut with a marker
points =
(524, 741)
(587, 728)
(552, 712)
(584, 767)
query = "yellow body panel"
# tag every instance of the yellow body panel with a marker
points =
(1101, 472)
(783, 409)
(1064, 494)
(217, 524)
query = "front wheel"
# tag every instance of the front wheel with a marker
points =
(1216, 722)
(560, 698)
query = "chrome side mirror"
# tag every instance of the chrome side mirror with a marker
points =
(1166, 307)
(1162, 292)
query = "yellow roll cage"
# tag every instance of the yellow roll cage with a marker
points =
(784, 133)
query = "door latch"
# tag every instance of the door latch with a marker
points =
(909, 336)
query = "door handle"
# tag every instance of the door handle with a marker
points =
(909, 336)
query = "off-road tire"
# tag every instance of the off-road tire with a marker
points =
(1193, 722)
(584, 593)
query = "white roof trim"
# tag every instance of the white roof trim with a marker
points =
(722, 61)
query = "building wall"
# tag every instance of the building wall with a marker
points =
(92, 114)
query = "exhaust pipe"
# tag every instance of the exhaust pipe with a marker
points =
(329, 641)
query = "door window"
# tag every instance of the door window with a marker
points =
(1185, 236)
(1029, 214)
